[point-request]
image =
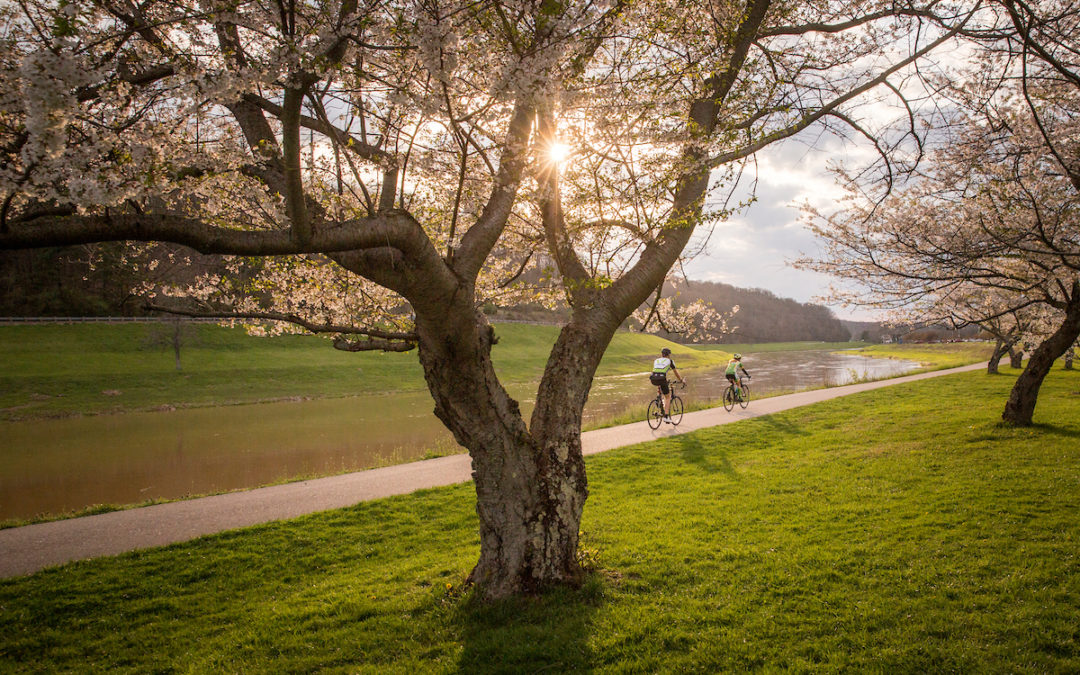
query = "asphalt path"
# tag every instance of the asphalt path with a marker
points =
(28, 549)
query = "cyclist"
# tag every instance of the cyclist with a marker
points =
(658, 377)
(733, 366)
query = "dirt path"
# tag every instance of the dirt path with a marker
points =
(25, 550)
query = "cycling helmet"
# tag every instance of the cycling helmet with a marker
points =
(737, 356)
(665, 352)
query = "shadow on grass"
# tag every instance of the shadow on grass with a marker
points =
(781, 425)
(545, 634)
(711, 457)
(1056, 430)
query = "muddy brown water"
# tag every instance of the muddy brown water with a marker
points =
(53, 466)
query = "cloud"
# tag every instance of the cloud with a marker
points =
(755, 247)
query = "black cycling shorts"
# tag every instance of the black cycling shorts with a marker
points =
(660, 380)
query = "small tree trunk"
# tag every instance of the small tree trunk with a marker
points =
(176, 342)
(1016, 358)
(995, 358)
(1025, 393)
(1069, 354)
(1004, 346)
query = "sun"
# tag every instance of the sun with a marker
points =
(558, 152)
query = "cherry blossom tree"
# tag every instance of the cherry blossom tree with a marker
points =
(379, 169)
(987, 236)
(988, 232)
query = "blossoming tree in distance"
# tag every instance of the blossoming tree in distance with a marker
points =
(988, 233)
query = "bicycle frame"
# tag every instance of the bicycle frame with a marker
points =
(672, 412)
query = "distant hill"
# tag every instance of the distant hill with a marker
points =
(763, 316)
(876, 331)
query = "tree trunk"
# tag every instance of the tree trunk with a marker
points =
(1069, 355)
(1003, 346)
(995, 358)
(530, 491)
(176, 342)
(1016, 358)
(1021, 406)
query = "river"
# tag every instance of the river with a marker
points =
(53, 466)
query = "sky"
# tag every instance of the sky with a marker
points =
(755, 247)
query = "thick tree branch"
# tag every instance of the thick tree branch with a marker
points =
(372, 345)
(295, 198)
(322, 125)
(260, 137)
(634, 286)
(478, 241)
(840, 27)
(141, 78)
(396, 229)
(559, 242)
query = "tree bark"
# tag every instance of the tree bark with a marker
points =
(176, 342)
(1001, 347)
(1025, 393)
(995, 358)
(530, 489)
(1016, 358)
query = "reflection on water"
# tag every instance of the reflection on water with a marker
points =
(60, 465)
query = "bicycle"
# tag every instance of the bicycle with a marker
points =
(655, 413)
(731, 397)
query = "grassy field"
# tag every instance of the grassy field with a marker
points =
(935, 356)
(899, 530)
(51, 370)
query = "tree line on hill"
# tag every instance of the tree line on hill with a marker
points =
(62, 281)
(762, 316)
(91, 279)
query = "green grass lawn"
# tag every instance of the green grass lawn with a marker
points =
(934, 356)
(51, 370)
(898, 530)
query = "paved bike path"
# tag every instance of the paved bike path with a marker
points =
(27, 549)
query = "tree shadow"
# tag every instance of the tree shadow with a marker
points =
(779, 425)
(714, 456)
(710, 457)
(548, 633)
(1056, 430)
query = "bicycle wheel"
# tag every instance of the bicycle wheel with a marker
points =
(655, 414)
(676, 410)
(729, 399)
(745, 398)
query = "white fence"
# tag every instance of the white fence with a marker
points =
(99, 319)
(162, 319)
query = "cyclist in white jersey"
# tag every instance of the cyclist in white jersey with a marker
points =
(658, 377)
